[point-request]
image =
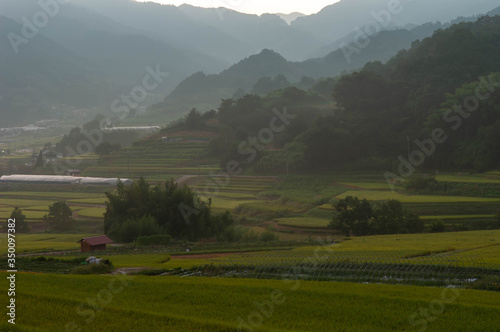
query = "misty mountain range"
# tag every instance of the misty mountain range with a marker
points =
(88, 53)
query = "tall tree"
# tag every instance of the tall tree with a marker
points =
(20, 218)
(60, 217)
(354, 217)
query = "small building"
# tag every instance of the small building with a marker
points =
(94, 243)
(73, 172)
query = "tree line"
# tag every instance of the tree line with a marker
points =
(143, 210)
(359, 218)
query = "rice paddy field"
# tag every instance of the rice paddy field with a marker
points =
(35, 204)
(303, 222)
(44, 242)
(317, 197)
(387, 195)
(118, 303)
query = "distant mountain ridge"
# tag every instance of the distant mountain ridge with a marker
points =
(242, 77)
(93, 51)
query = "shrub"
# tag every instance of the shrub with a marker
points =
(152, 240)
(93, 269)
(422, 182)
(165, 259)
(268, 236)
(437, 226)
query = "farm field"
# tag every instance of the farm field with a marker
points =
(96, 212)
(35, 205)
(366, 185)
(457, 217)
(156, 160)
(188, 304)
(486, 178)
(460, 241)
(303, 222)
(482, 244)
(44, 241)
(386, 195)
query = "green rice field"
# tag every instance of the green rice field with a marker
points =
(303, 222)
(387, 195)
(216, 304)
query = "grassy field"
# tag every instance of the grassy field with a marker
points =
(35, 205)
(92, 212)
(48, 242)
(458, 217)
(303, 222)
(386, 195)
(491, 178)
(470, 243)
(367, 185)
(214, 304)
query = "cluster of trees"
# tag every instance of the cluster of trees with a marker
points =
(358, 217)
(142, 210)
(90, 138)
(197, 121)
(60, 217)
(418, 91)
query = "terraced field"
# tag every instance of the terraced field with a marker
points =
(156, 160)
(36, 204)
(303, 222)
(486, 178)
(231, 192)
(386, 195)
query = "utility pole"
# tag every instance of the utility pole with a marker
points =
(287, 162)
(408, 138)
(128, 162)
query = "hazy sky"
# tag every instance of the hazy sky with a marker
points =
(257, 6)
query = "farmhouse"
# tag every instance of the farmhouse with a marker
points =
(94, 243)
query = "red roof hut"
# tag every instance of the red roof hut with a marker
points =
(94, 243)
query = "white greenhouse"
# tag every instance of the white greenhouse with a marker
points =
(61, 179)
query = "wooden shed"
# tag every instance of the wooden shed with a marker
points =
(73, 172)
(94, 243)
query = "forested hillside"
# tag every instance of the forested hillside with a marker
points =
(379, 108)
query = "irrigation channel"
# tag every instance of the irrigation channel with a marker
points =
(412, 269)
